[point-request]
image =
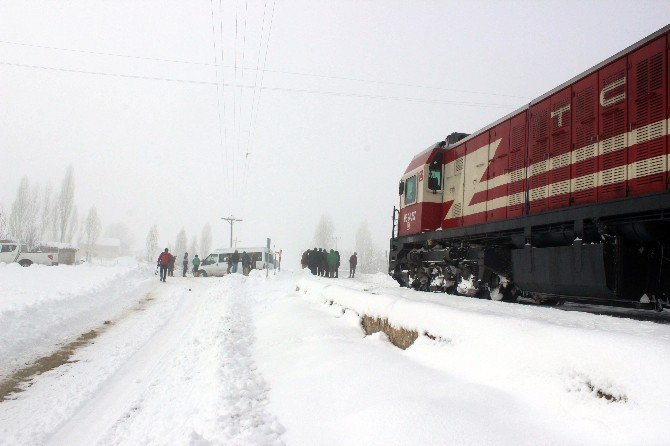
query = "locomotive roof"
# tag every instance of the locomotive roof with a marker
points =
(594, 68)
(423, 157)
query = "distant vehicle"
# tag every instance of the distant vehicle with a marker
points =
(11, 252)
(216, 263)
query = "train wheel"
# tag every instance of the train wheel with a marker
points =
(500, 289)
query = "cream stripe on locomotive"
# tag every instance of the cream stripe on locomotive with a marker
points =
(475, 168)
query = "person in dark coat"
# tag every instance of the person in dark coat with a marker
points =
(246, 263)
(233, 260)
(303, 259)
(185, 264)
(312, 261)
(353, 261)
(337, 265)
(163, 263)
(324, 263)
(171, 265)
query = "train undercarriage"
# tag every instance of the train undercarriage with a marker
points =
(579, 255)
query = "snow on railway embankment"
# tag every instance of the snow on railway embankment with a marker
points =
(596, 373)
(42, 307)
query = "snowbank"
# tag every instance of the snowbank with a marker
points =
(43, 306)
(603, 376)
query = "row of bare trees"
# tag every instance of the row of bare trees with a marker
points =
(38, 215)
(181, 245)
(370, 258)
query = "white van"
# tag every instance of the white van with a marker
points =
(216, 264)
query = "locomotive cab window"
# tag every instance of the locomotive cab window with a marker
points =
(435, 176)
(410, 190)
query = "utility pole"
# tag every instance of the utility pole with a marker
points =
(232, 221)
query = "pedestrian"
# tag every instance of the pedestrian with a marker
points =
(324, 262)
(337, 266)
(313, 261)
(303, 259)
(196, 265)
(171, 265)
(234, 259)
(332, 262)
(353, 261)
(185, 264)
(163, 263)
(246, 263)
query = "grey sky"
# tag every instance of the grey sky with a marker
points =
(148, 151)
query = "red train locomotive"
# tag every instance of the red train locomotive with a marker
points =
(566, 198)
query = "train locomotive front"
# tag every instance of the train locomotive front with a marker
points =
(567, 198)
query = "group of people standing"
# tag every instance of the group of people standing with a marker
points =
(166, 263)
(322, 262)
(233, 260)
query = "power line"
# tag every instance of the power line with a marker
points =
(223, 97)
(292, 73)
(218, 95)
(282, 89)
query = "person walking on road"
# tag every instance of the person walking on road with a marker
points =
(353, 261)
(196, 265)
(163, 263)
(185, 264)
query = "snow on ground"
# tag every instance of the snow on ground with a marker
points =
(44, 306)
(250, 360)
(178, 372)
(549, 362)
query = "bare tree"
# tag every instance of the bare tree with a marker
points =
(23, 222)
(323, 235)
(206, 240)
(92, 230)
(46, 213)
(370, 259)
(152, 244)
(193, 247)
(3, 223)
(65, 206)
(72, 226)
(180, 244)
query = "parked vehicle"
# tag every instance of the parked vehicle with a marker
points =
(11, 252)
(216, 263)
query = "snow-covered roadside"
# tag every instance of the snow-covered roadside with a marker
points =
(551, 361)
(42, 307)
(178, 372)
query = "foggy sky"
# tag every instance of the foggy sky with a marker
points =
(150, 152)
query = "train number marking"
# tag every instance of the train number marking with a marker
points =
(408, 218)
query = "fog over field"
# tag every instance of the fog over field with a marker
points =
(176, 113)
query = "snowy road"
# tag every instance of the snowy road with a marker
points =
(251, 361)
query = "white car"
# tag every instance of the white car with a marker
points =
(15, 252)
(216, 263)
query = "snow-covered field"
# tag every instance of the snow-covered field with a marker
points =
(44, 306)
(240, 360)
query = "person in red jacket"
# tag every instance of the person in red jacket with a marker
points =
(163, 263)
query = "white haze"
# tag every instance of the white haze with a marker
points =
(148, 151)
